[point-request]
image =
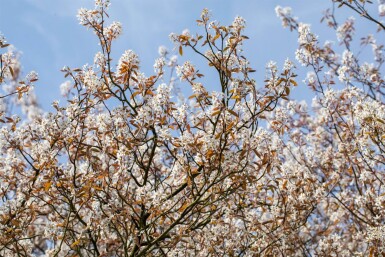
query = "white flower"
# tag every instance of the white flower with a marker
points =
(159, 64)
(164, 133)
(346, 30)
(271, 65)
(99, 59)
(102, 4)
(381, 10)
(2, 39)
(186, 71)
(302, 56)
(65, 88)
(162, 95)
(376, 233)
(198, 88)
(162, 51)
(114, 30)
(377, 50)
(238, 23)
(311, 79)
(90, 79)
(173, 61)
(32, 76)
(288, 65)
(205, 13)
(173, 37)
(86, 17)
(348, 58)
(128, 61)
(304, 32)
(180, 113)
(284, 13)
(186, 33)
(3, 106)
(279, 11)
(342, 73)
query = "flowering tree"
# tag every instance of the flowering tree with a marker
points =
(123, 170)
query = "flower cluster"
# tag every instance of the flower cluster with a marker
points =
(128, 62)
(186, 72)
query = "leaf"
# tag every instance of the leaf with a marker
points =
(233, 113)
(294, 82)
(280, 81)
(230, 126)
(209, 154)
(265, 159)
(184, 206)
(47, 185)
(135, 94)
(287, 90)
(11, 70)
(95, 149)
(284, 184)
(75, 243)
(180, 50)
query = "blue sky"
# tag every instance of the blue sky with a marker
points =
(49, 36)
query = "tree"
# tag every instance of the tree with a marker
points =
(123, 170)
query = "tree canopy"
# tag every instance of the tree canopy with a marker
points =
(124, 168)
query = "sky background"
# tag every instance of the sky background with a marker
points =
(49, 36)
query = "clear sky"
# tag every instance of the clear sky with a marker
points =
(49, 36)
